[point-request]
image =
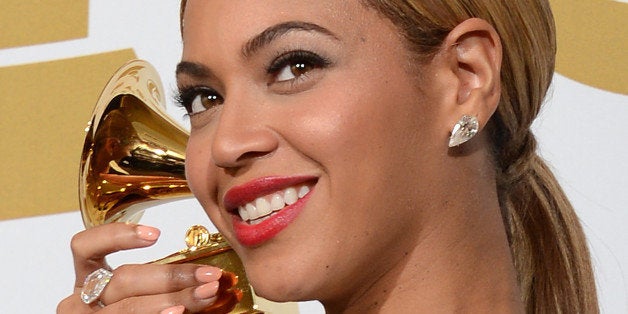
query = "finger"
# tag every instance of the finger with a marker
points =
(194, 299)
(74, 305)
(90, 246)
(132, 281)
(212, 297)
(152, 279)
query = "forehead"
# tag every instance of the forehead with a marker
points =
(208, 22)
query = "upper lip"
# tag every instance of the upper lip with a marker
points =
(241, 194)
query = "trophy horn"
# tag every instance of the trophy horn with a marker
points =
(133, 158)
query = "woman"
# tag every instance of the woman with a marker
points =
(321, 149)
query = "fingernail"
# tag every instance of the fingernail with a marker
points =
(206, 291)
(179, 309)
(208, 273)
(147, 233)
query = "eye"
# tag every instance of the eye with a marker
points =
(293, 71)
(198, 99)
(201, 103)
(294, 65)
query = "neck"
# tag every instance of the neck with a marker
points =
(461, 264)
(462, 276)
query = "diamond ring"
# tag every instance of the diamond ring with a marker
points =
(94, 284)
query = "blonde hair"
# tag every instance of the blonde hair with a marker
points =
(546, 239)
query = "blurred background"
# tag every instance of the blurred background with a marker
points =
(57, 55)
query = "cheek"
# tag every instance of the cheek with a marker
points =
(201, 176)
(373, 139)
(354, 122)
(197, 168)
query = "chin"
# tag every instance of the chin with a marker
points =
(276, 292)
(279, 285)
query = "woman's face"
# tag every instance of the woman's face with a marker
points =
(314, 110)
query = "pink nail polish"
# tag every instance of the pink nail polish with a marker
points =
(179, 309)
(206, 291)
(208, 273)
(147, 233)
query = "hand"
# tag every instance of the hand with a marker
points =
(147, 288)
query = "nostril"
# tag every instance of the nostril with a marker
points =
(251, 155)
(231, 168)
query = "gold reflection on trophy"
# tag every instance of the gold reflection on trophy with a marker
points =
(134, 157)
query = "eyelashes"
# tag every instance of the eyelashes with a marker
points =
(294, 64)
(289, 73)
(198, 98)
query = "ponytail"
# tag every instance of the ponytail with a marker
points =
(546, 239)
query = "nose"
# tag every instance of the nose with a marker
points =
(241, 136)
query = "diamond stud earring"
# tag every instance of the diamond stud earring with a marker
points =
(464, 130)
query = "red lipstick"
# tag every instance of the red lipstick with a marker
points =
(255, 234)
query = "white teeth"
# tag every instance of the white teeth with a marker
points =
(290, 196)
(263, 206)
(244, 214)
(251, 210)
(277, 202)
(254, 211)
(303, 191)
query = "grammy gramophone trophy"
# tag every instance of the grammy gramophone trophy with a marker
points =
(133, 158)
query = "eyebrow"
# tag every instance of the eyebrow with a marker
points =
(272, 33)
(194, 69)
(200, 71)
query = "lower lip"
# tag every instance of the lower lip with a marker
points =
(253, 235)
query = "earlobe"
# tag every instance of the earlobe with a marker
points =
(476, 54)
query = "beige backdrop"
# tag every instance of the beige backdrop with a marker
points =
(55, 57)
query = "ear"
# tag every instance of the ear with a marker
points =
(474, 56)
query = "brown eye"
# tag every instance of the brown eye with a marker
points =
(196, 99)
(203, 102)
(295, 64)
(292, 71)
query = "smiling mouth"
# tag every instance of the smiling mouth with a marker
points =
(265, 206)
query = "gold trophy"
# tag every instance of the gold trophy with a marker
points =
(133, 158)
